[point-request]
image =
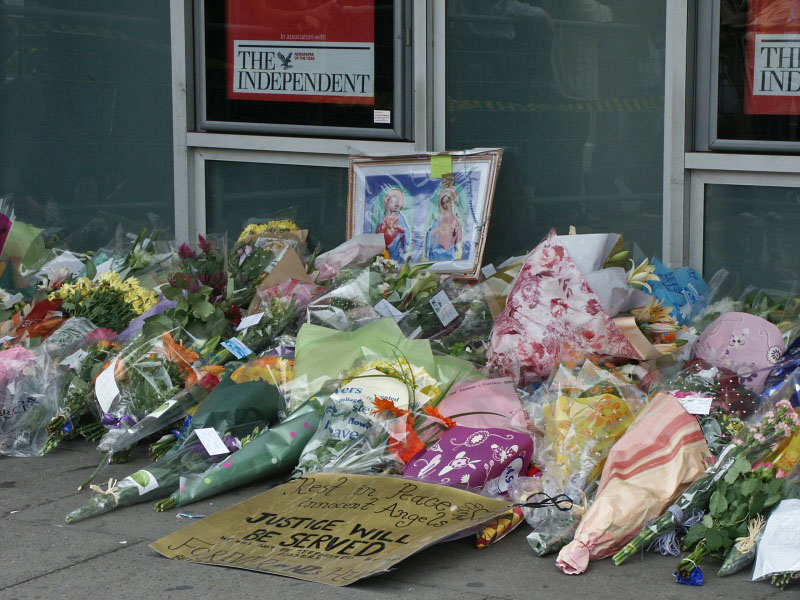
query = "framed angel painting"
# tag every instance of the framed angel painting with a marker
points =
(426, 216)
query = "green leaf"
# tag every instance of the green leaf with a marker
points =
(171, 293)
(203, 310)
(708, 521)
(91, 270)
(749, 487)
(773, 499)
(740, 465)
(696, 533)
(718, 504)
(714, 540)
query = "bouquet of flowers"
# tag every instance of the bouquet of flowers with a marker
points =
(161, 478)
(271, 452)
(108, 302)
(579, 413)
(351, 409)
(734, 508)
(230, 412)
(206, 266)
(144, 376)
(752, 443)
(716, 396)
(74, 415)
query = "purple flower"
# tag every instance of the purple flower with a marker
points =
(186, 252)
(204, 244)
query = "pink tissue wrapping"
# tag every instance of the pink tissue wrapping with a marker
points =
(647, 469)
(551, 304)
(487, 403)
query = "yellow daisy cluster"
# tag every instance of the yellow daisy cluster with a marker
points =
(140, 299)
(276, 226)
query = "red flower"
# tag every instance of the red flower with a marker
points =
(234, 315)
(203, 244)
(209, 381)
(186, 252)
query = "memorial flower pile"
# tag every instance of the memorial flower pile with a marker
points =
(597, 400)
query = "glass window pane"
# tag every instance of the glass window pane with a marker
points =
(751, 231)
(315, 196)
(759, 70)
(86, 115)
(573, 90)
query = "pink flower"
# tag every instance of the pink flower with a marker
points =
(186, 252)
(204, 244)
(784, 427)
(780, 473)
(759, 438)
(101, 333)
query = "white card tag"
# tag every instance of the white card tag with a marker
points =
(385, 309)
(163, 408)
(250, 321)
(488, 270)
(105, 388)
(696, 405)
(143, 480)
(74, 359)
(443, 308)
(211, 441)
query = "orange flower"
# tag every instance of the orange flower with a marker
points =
(382, 404)
(408, 448)
(183, 357)
(385, 254)
(432, 411)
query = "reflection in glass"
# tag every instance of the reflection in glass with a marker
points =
(573, 90)
(316, 197)
(86, 116)
(752, 232)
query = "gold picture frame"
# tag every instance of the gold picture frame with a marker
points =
(425, 219)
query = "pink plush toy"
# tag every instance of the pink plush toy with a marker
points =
(743, 343)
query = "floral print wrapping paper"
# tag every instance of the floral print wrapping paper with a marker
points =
(551, 305)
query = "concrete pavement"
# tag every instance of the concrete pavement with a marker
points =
(108, 556)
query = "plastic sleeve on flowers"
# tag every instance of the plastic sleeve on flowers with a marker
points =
(120, 439)
(274, 452)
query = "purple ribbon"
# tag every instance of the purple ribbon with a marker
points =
(118, 422)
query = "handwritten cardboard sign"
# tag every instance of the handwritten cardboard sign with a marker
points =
(331, 528)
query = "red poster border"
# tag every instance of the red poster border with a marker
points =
(359, 27)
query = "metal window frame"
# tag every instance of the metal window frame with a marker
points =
(707, 98)
(700, 178)
(402, 102)
(192, 149)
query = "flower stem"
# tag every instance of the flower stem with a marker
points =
(693, 560)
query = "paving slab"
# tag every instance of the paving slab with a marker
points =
(108, 555)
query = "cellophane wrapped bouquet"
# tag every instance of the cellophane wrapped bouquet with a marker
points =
(579, 414)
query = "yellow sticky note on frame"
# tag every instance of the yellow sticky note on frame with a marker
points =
(441, 164)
